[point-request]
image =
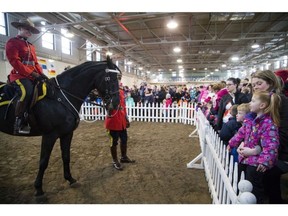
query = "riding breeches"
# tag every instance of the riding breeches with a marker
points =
(115, 135)
(24, 88)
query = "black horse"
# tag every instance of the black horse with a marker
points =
(57, 115)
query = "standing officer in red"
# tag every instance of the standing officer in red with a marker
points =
(116, 125)
(22, 56)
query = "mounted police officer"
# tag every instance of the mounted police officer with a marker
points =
(22, 56)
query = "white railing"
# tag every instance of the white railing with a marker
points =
(221, 173)
(184, 113)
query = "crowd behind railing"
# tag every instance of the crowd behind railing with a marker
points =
(250, 117)
(246, 123)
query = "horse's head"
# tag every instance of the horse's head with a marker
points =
(111, 95)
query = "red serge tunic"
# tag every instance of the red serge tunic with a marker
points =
(22, 56)
(117, 121)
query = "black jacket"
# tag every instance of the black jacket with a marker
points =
(283, 129)
(239, 99)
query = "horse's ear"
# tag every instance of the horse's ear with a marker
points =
(109, 62)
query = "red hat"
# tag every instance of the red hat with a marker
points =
(283, 74)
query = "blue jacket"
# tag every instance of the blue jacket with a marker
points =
(229, 129)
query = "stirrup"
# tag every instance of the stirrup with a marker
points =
(117, 165)
(126, 160)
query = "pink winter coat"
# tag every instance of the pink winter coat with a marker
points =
(258, 131)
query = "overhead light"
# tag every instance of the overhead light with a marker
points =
(140, 68)
(194, 68)
(172, 24)
(179, 60)
(224, 65)
(255, 46)
(177, 49)
(235, 58)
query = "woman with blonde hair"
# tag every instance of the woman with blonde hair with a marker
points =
(268, 81)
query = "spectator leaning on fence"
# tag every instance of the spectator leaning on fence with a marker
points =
(260, 128)
(242, 111)
(234, 97)
(230, 128)
(267, 81)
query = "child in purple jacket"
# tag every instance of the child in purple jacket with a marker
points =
(260, 128)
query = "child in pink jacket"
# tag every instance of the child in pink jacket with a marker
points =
(260, 128)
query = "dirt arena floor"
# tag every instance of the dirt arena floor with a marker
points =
(159, 176)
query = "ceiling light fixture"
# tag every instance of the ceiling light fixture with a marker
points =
(172, 24)
(235, 58)
(177, 49)
(179, 60)
(255, 45)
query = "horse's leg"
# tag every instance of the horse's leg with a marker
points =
(65, 143)
(47, 145)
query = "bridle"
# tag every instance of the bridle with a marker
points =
(108, 92)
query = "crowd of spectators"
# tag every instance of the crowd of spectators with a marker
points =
(227, 105)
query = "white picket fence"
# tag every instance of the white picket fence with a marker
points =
(185, 113)
(221, 174)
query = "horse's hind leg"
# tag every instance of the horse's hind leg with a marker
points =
(47, 145)
(65, 143)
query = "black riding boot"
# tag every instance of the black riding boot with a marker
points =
(124, 158)
(116, 163)
(19, 126)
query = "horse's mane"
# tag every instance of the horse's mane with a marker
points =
(74, 71)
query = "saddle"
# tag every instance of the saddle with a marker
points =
(8, 94)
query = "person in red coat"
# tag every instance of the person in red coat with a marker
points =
(22, 57)
(116, 124)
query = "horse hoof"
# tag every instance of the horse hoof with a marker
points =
(41, 199)
(75, 185)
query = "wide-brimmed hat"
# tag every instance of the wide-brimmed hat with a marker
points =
(26, 23)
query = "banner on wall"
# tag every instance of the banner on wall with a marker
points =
(48, 69)
(43, 64)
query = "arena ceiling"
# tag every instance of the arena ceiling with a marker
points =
(207, 40)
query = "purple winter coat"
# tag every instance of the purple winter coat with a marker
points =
(258, 131)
